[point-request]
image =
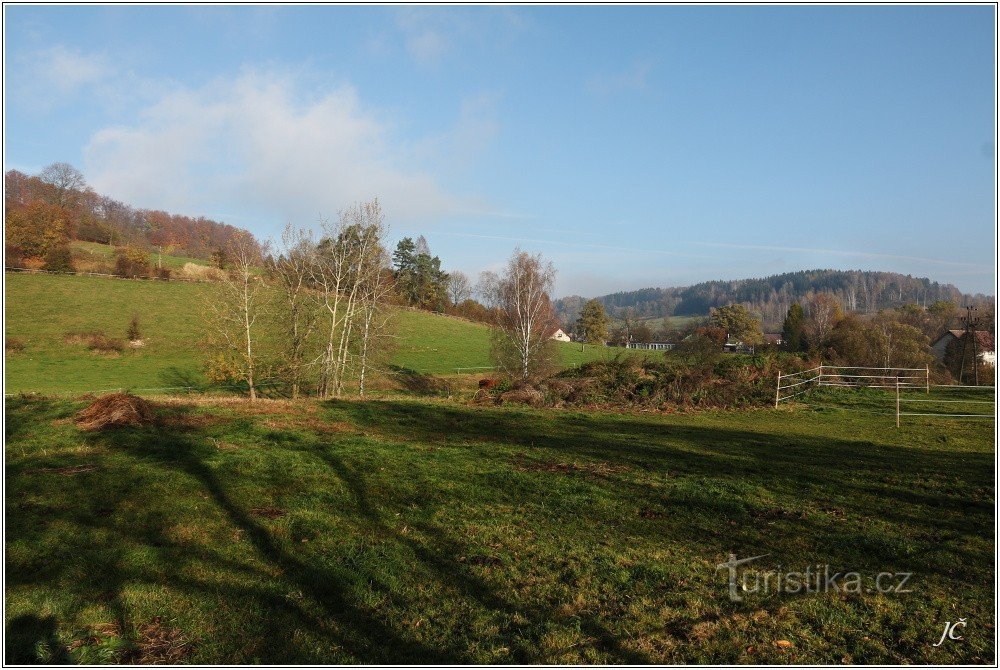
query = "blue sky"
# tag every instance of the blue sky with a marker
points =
(642, 146)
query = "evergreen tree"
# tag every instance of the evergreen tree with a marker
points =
(791, 330)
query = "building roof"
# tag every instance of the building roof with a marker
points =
(984, 339)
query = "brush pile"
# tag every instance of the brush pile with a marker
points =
(116, 410)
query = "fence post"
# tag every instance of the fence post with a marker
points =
(897, 402)
(927, 378)
(777, 390)
(819, 382)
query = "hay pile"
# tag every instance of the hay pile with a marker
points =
(116, 410)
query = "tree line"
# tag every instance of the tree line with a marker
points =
(866, 292)
(44, 212)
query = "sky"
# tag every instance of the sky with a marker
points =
(632, 146)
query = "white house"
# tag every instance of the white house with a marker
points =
(560, 335)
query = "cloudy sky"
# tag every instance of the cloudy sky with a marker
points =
(644, 146)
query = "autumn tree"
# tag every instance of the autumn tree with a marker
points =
(524, 319)
(37, 227)
(592, 325)
(67, 184)
(738, 323)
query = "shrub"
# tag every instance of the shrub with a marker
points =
(59, 259)
(103, 344)
(163, 273)
(133, 334)
(131, 262)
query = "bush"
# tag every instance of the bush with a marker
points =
(163, 273)
(59, 259)
(133, 333)
(131, 262)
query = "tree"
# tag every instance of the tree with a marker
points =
(59, 259)
(593, 323)
(298, 313)
(524, 319)
(738, 323)
(347, 272)
(238, 311)
(131, 262)
(37, 227)
(419, 278)
(823, 311)
(67, 184)
(459, 287)
(791, 330)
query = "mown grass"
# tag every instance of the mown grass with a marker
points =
(404, 530)
(41, 309)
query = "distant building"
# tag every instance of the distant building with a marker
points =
(773, 338)
(560, 336)
(656, 346)
(984, 345)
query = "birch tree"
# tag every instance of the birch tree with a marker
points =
(297, 316)
(524, 319)
(238, 311)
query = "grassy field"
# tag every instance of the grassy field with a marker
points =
(42, 309)
(408, 530)
(104, 252)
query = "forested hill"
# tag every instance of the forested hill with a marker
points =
(770, 297)
(57, 205)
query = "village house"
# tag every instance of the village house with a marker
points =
(985, 346)
(560, 336)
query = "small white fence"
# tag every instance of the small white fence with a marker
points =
(901, 380)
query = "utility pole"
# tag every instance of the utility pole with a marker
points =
(971, 321)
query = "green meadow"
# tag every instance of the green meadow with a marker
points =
(42, 309)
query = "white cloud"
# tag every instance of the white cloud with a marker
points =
(632, 79)
(51, 76)
(256, 143)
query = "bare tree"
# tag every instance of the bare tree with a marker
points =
(238, 310)
(298, 315)
(347, 261)
(459, 287)
(67, 181)
(823, 312)
(524, 319)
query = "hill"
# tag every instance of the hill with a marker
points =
(770, 297)
(43, 311)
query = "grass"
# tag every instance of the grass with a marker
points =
(105, 252)
(42, 309)
(417, 531)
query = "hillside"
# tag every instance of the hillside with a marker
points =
(862, 291)
(42, 309)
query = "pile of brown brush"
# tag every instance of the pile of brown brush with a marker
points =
(116, 410)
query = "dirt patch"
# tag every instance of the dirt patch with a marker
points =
(268, 512)
(523, 464)
(116, 410)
